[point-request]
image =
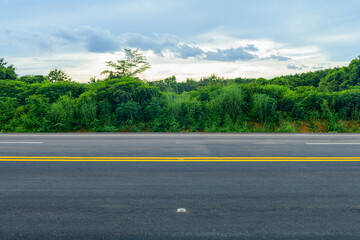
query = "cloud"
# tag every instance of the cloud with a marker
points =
(293, 67)
(277, 57)
(251, 47)
(157, 43)
(94, 40)
(101, 41)
(230, 54)
(167, 46)
(318, 68)
(66, 35)
(187, 51)
(296, 67)
(18, 42)
(98, 41)
(160, 43)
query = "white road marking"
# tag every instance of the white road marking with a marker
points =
(333, 143)
(21, 142)
(181, 210)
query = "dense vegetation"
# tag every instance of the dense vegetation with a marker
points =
(322, 101)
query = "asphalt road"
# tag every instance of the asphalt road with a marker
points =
(138, 200)
(181, 145)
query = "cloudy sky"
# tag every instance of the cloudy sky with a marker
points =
(188, 38)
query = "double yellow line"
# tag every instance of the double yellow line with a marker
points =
(177, 159)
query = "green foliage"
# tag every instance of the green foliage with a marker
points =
(354, 72)
(62, 113)
(128, 110)
(184, 110)
(326, 100)
(53, 91)
(33, 79)
(286, 127)
(86, 106)
(230, 102)
(7, 112)
(7, 72)
(31, 117)
(263, 107)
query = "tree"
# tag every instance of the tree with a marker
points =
(58, 75)
(2, 62)
(354, 68)
(263, 106)
(86, 109)
(62, 113)
(229, 102)
(134, 64)
(7, 72)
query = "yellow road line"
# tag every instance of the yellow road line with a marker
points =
(50, 157)
(177, 159)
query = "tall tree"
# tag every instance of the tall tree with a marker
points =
(58, 75)
(134, 64)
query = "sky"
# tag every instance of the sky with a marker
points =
(188, 38)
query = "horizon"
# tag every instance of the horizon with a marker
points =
(235, 39)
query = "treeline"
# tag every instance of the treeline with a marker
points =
(322, 101)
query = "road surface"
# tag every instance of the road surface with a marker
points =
(139, 200)
(181, 145)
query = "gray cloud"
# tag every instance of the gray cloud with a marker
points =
(69, 36)
(293, 67)
(230, 54)
(297, 67)
(278, 58)
(158, 43)
(162, 42)
(251, 47)
(98, 40)
(42, 42)
(21, 38)
(186, 51)
(318, 68)
(94, 40)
